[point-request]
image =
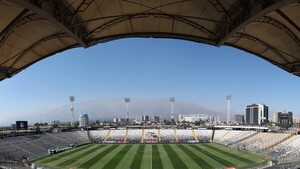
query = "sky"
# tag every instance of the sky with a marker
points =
(151, 69)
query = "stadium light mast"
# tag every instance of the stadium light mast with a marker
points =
(172, 100)
(127, 101)
(72, 99)
(228, 98)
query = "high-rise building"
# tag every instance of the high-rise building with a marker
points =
(213, 119)
(257, 114)
(145, 118)
(296, 120)
(285, 120)
(83, 120)
(239, 118)
(156, 119)
(139, 118)
(54, 122)
(275, 117)
(118, 120)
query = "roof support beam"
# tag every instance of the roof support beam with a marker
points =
(254, 11)
(21, 54)
(246, 36)
(17, 24)
(6, 72)
(288, 19)
(123, 18)
(295, 70)
(21, 14)
(58, 14)
(151, 35)
(274, 22)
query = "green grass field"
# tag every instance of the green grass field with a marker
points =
(151, 156)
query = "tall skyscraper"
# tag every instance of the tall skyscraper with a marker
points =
(83, 120)
(156, 118)
(139, 118)
(145, 118)
(275, 117)
(257, 114)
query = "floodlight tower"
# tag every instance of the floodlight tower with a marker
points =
(72, 99)
(172, 100)
(228, 98)
(127, 101)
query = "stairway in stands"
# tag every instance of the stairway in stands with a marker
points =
(143, 134)
(107, 135)
(194, 135)
(158, 133)
(221, 138)
(213, 135)
(244, 138)
(285, 139)
(175, 134)
(126, 135)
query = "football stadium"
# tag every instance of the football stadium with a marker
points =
(32, 30)
(152, 148)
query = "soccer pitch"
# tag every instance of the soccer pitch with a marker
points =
(151, 156)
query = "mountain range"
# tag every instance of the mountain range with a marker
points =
(106, 109)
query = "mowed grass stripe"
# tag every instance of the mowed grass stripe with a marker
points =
(235, 161)
(118, 157)
(175, 159)
(137, 161)
(229, 154)
(202, 163)
(156, 160)
(65, 154)
(216, 158)
(166, 162)
(128, 158)
(147, 157)
(79, 156)
(97, 157)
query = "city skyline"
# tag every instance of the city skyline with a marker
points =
(151, 69)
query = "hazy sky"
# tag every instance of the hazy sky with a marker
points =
(151, 69)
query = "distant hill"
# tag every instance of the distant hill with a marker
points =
(106, 109)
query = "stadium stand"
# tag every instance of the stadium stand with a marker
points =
(203, 135)
(134, 136)
(167, 136)
(228, 137)
(34, 146)
(98, 136)
(282, 148)
(116, 135)
(150, 136)
(185, 136)
(287, 152)
(263, 141)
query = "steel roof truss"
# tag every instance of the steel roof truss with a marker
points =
(58, 15)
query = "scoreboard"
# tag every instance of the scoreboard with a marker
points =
(22, 125)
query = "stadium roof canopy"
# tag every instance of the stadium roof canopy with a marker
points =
(31, 30)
